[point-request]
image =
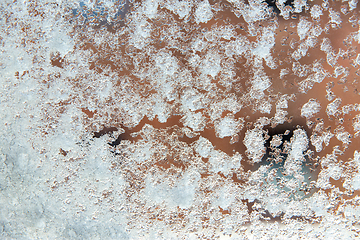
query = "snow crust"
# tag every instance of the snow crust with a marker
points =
(167, 119)
(310, 108)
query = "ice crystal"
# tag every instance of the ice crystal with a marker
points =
(167, 119)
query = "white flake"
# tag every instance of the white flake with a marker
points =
(203, 12)
(316, 12)
(227, 126)
(310, 108)
(255, 144)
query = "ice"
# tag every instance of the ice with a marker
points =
(228, 126)
(232, 120)
(151, 8)
(303, 28)
(316, 12)
(356, 124)
(310, 108)
(203, 147)
(332, 108)
(254, 142)
(203, 12)
(196, 121)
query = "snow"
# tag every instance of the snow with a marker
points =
(310, 108)
(303, 28)
(332, 108)
(203, 147)
(196, 121)
(255, 144)
(356, 124)
(227, 126)
(203, 12)
(194, 89)
(316, 12)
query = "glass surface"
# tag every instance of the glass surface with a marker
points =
(168, 119)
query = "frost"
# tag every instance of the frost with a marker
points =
(255, 144)
(316, 12)
(303, 28)
(299, 143)
(260, 82)
(179, 119)
(192, 100)
(317, 139)
(141, 33)
(180, 195)
(196, 121)
(352, 4)
(181, 8)
(166, 63)
(227, 126)
(203, 12)
(334, 17)
(299, 5)
(203, 147)
(343, 135)
(264, 45)
(221, 162)
(151, 8)
(211, 64)
(354, 181)
(310, 108)
(332, 108)
(356, 124)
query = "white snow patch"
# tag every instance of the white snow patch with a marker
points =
(316, 12)
(254, 142)
(203, 12)
(334, 17)
(181, 8)
(227, 126)
(299, 143)
(150, 8)
(196, 121)
(265, 44)
(221, 162)
(303, 28)
(203, 147)
(211, 64)
(181, 195)
(356, 124)
(332, 108)
(166, 63)
(192, 100)
(310, 108)
(352, 4)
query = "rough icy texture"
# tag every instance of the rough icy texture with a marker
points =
(310, 108)
(254, 142)
(167, 119)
